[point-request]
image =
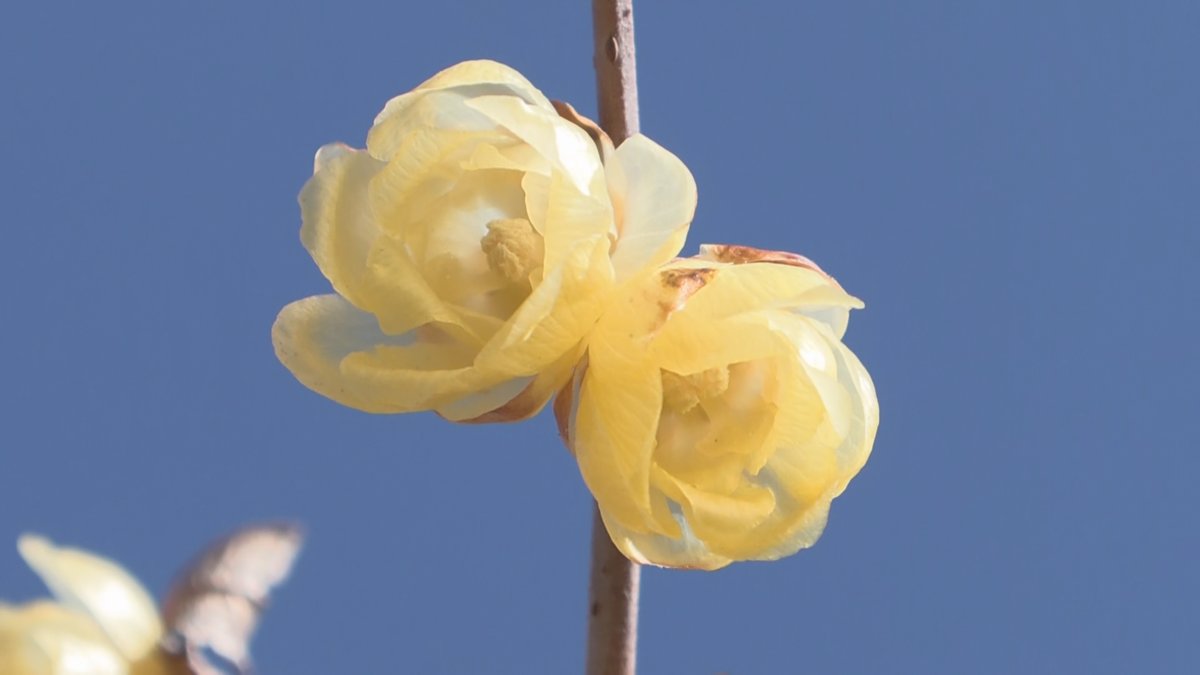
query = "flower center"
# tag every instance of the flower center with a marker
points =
(513, 248)
(681, 393)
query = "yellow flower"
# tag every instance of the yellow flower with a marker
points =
(717, 412)
(104, 622)
(472, 245)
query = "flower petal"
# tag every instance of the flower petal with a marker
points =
(312, 336)
(424, 376)
(658, 196)
(683, 551)
(100, 588)
(616, 416)
(856, 447)
(555, 317)
(566, 146)
(339, 227)
(439, 102)
(480, 403)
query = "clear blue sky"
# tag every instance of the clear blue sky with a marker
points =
(1012, 187)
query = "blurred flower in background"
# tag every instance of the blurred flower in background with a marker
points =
(472, 246)
(717, 412)
(103, 621)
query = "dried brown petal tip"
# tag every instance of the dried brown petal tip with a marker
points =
(742, 255)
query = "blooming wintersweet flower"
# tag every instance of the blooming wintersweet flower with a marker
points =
(104, 622)
(472, 245)
(717, 413)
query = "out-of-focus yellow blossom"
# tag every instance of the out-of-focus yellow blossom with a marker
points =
(103, 623)
(717, 412)
(472, 245)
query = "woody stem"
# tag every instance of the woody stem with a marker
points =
(614, 582)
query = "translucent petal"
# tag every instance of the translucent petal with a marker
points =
(537, 199)
(484, 71)
(753, 287)
(423, 111)
(478, 403)
(410, 379)
(399, 295)
(658, 195)
(683, 551)
(463, 80)
(616, 421)
(565, 145)
(556, 316)
(854, 450)
(439, 103)
(312, 336)
(423, 171)
(339, 226)
(689, 343)
(516, 156)
(717, 517)
(445, 245)
(572, 218)
(99, 587)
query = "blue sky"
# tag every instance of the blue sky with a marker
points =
(1013, 189)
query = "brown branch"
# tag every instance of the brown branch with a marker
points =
(612, 607)
(614, 584)
(616, 67)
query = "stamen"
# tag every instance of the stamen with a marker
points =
(513, 248)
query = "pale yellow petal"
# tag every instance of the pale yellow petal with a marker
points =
(537, 199)
(328, 153)
(682, 550)
(487, 72)
(615, 422)
(864, 417)
(555, 317)
(424, 169)
(534, 396)
(399, 295)
(411, 379)
(739, 288)
(514, 156)
(565, 145)
(312, 336)
(438, 103)
(422, 111)
(689, 343)
(718, 519)
(101, 588)
(658, 197)
(571, 218)
(478, 403)
(339, 226)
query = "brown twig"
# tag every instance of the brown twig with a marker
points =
(616, 67)
(612, 607)
(614, 584)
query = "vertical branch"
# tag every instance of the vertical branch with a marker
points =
(616, 68)
(612, 607)
(614, 584)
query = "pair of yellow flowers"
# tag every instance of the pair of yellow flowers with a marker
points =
(490, 249)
